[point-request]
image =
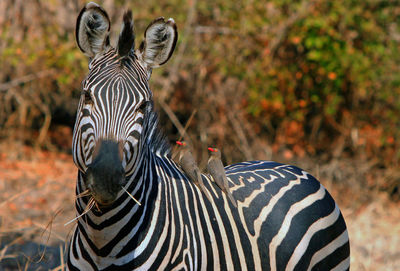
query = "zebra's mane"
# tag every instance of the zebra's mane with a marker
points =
(153, 136)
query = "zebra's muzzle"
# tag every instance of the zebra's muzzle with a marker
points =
(105, 175)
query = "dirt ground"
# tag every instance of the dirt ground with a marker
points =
(37, 195)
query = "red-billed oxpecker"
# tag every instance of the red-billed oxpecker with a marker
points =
(217, 171)
(189, 166)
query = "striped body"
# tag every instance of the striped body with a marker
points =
(285, 219)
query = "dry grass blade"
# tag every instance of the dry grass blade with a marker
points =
(3, 254)
(15, 196)
(48, 228)
(61, 267)
(130, 195)
(89, 206)
(62, 258)
(44, 228)
(25, 79)
(97, 206)
(83, 194)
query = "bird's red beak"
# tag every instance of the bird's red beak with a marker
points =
(179, 143)
(211, 149)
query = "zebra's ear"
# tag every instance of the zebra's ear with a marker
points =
(92, 29)
(159, 42)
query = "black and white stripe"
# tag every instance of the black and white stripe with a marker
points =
(285, 219)
(111, 103)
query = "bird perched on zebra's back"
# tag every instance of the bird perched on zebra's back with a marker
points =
(216, 169)
(189, 166)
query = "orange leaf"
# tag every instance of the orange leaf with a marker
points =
(332, 75)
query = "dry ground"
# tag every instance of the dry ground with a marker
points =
(36, 200)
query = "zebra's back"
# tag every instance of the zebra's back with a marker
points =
(285, 220)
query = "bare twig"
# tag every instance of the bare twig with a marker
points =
(15, 196)
(23, 193)
(175, 120)
(44, 228)
(48, 228)
(188, 122)
(25, 79)
(203, 29)
(46, 124)
(62, 257)
(44, 108)
(173, 70)
(61, 267)
(3, 253)
(191, 16)
(175, 149)
(187, 30)
(244, 146)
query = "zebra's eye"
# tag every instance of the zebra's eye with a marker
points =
(142, 107)
(87, 98)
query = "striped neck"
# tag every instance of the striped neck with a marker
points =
(135, 223)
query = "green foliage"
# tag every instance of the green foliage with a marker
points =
(335, 69)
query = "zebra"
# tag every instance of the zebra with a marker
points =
(284, 220)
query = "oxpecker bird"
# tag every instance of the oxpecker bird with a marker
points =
(217, 171)
(189, 166)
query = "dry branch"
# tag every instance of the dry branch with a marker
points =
(167, 84)
(173, 70)
(26, 79)
(167, 109)
(244, 146)
(202, 29)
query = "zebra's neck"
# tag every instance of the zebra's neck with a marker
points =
(168, 226)
(153, 139)
(124, 222)
(135, 223)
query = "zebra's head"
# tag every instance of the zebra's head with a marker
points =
(115, 97)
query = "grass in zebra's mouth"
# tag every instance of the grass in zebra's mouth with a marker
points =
(85, 193)
(132, 197)
(89, 207)
(93, 203)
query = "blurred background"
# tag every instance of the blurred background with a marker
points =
(312, 83)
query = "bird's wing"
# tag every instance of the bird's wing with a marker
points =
(219, 168)
(216, 173)
(190, 167)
